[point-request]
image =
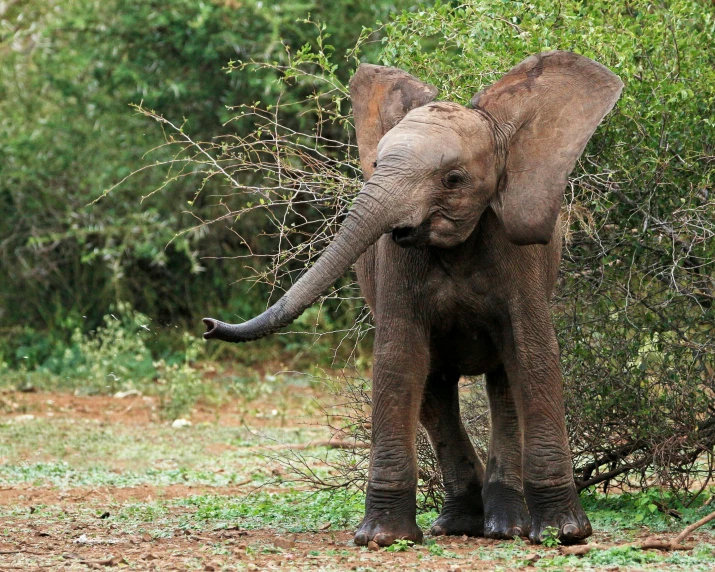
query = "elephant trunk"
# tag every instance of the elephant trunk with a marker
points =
(375, 212)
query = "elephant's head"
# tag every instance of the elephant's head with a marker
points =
(433, 168)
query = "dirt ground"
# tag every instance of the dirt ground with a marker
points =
(45, 527)
(138, 409)
(82, 545)
(53, 548)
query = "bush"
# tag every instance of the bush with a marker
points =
(69, 71)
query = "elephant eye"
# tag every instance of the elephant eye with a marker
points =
(452, 179)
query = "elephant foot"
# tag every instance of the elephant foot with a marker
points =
(565, 520)
(506, 515)
(384, 533)
(461, 515)
(458, 524)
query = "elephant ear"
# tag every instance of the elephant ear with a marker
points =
(546, 108)
(381, 97)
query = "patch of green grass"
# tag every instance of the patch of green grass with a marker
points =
(624, 513)
(63, 453)
(425, 519)
(293, 511)
(623, 556)
(142, 512)
(63, 476)
(400, 545)
(550, 537)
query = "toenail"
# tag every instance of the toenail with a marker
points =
(569, 531)
(384, 539)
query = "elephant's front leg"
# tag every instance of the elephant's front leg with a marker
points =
(400, 368)
(532, 366)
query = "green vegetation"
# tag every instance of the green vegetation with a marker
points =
(551, 537)
(68, 74)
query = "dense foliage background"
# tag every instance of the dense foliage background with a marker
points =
(68, 73)
(634, 309)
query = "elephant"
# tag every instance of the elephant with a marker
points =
(456, 247)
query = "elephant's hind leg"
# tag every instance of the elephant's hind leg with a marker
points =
(505, 509)
(462, 471)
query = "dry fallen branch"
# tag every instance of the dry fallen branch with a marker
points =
(650, 543)
(683, 535)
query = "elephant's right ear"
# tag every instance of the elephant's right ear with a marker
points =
(381, 97)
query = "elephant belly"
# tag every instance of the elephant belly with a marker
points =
(468, 353)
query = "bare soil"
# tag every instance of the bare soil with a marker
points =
(77, 538)
(81, 546)
(137, 409)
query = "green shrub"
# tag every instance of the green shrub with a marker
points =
(69, 71)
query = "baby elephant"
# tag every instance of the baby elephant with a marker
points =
(456, 248)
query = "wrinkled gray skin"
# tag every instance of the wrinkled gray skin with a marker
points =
(456, 247)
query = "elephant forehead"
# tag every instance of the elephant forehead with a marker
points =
(445, 130)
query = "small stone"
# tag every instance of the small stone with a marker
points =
(146, 537)
(373, 546)
(149, 556)
(128, 393)
(285, 543)
(180, 423)
(576, 550)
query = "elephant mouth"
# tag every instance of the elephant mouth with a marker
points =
(412, 236)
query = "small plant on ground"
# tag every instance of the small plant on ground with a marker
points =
(550, 537)
(400, 545)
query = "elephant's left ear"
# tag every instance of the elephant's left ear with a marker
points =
(547, 108)
(381, 97)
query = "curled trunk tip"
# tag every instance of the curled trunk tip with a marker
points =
(211, 328)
